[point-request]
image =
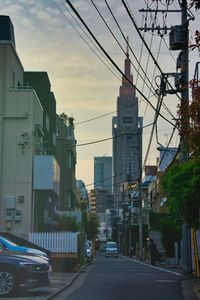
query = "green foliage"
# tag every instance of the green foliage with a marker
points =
(170, 231)
(91, 225)
(68, 223)
(181, 185)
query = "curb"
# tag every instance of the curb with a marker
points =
(68, 284)
(196, 288)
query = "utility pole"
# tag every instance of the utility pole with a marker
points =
(140, 217)
(186, 243)
(179, 41)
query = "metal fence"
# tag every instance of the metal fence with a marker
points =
(56, 242)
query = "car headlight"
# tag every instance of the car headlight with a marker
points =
(29, 266)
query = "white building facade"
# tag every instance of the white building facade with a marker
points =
(21, 138)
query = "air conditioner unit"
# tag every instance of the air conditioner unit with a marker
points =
(10, 202)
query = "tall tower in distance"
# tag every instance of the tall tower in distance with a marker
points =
(127, 135)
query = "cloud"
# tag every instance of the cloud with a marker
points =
(81, 83)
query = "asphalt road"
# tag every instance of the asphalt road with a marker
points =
(125, 279)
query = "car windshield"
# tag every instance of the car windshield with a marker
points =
(111, 246)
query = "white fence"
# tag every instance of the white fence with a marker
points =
(56, 242)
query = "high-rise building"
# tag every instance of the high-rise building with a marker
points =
(127, 135)
(103, 173)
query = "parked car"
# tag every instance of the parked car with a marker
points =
(6, 244)
(111, 249)
(88, 250)
(21, 271)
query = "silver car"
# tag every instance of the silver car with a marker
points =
(111, 249)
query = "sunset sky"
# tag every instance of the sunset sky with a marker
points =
(49, 37)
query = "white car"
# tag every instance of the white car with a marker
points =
(111, 249)
(88, 250)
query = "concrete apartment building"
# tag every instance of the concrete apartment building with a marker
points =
(40, 82)
(127, 136)
(66, 157)
(92, 201)
(29, 180)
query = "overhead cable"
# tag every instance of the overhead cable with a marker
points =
(140, 35)
(112, 61)
(81, 36)
(110, 138)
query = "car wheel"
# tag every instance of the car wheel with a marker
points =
(7, 282)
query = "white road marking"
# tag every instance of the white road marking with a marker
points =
(155, 267)
(164, 280)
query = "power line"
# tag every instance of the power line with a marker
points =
(105, 179)
(112, 61)
(95, 118)
(138, 61)
(96, 53)
(140, 35)
(110, 138)
(84, 38)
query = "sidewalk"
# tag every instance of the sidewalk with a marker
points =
(60, 281)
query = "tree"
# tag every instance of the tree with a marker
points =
(195, 3)
(91, 225)
(68, 223)
(181, 184)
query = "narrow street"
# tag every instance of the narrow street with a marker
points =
(123, 279)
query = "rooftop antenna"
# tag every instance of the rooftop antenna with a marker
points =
(127, 47)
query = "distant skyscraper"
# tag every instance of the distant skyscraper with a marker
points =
(103, 173)
(127, 134)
